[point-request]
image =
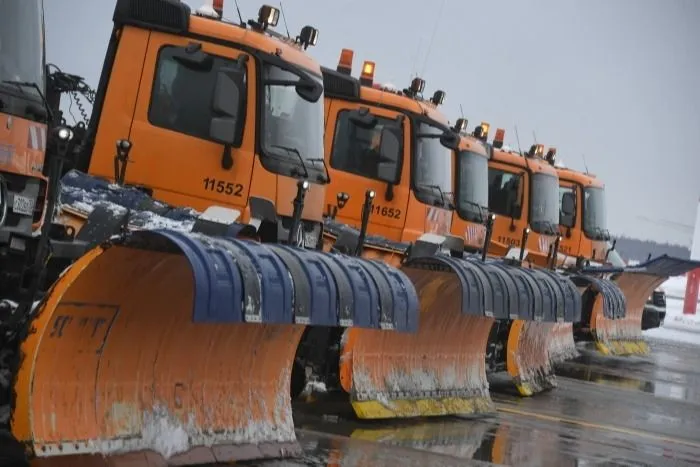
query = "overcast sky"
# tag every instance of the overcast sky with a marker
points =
(616, 82)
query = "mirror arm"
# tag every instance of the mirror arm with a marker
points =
(227, 157)
(389, 194)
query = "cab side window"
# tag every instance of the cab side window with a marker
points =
(183, 92)
(504, 189)
(567, 219)
(356, 149)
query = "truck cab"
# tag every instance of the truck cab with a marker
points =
(392, 143)
(583, 216)
(24, 120)
(210, 113)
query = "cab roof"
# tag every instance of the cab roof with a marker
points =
(580, 178)
(534, 164)
(176, 17)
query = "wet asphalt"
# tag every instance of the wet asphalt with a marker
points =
(606, 411)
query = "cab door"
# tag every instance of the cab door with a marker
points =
(507, 187)
(569, 225)
(356, 164)
(172, 149)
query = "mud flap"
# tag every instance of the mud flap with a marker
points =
(624, 335)
(182, 345)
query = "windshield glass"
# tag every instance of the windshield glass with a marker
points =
(473, 188)
(594, 214)
(291, 123)
(433, 165)
(544, 207)
(22, 43)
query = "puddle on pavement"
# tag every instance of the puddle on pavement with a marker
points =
(666, 384)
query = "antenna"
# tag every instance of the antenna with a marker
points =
(534, 136)
(430, 44)
(461, 111)
(284, 18)
(583, 156)
(517, 138)
(239, 13)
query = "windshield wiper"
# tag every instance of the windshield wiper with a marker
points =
(326, 178)
(601, 234)
(26, 84)
(482, 217)
(294, 151)
(442, 194)
(548, 227)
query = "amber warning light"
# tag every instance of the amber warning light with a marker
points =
(367, 76)
(345, 62)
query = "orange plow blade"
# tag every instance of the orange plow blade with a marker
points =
(181, 345)
(553, 301)
(562, 346)
(621, 333)
(442, 368)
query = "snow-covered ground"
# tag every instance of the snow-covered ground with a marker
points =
(677, 326)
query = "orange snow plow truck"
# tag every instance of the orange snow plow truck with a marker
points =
(394, 195)
(523, 196)
(24, 119)
(586, 247)
(181, 338)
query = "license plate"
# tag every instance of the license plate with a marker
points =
(23, 205)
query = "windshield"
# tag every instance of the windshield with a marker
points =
(594, 214)
(433, 164)
(544, 207)
(472, 188)
(291, 123)
(22, 43)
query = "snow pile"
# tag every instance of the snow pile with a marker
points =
(677, 326)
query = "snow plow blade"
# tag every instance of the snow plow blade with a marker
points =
(623, 336)
(182, 345)
(604, 310)
(441, 369)
(553, 302)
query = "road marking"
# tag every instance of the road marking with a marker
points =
(582, 423)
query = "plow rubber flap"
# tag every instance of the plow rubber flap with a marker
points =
(623, 336)
(439, 370)
(182, 345)
(554, 302)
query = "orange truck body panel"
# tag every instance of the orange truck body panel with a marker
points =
(182, 170)
(22, 150)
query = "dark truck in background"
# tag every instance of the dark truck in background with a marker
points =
(654, 310)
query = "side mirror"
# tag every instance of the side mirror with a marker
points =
(363, 118)
(227, 104)
(389, 154)
(450, 140)
(309, 89)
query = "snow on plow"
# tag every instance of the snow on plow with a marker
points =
(183, 344)
(442, 368)
(620, 333)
